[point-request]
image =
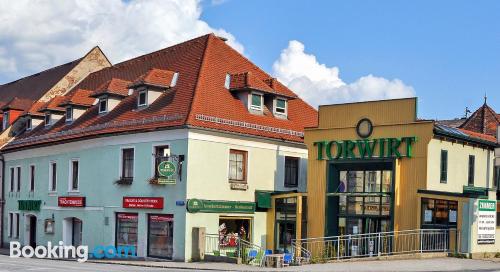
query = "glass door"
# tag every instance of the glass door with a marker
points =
(161, 235)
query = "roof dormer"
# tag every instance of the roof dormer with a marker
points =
(32, 116)
(152, 85)
(76, 103)
(110, 94)
(14, 109)
(52, 111)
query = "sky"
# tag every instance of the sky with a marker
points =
(447, 53)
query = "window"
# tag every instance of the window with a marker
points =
(437, 213)
(11, 224)
(103, 105)
(497, 178)
(237, 166)
(126, 231)
(32, 178)
(28, 124)
(47, 119)
(16, 223)
(53, 176)
(74, 171)
(69, 114)
(142, 98)
(161, 154)
(444, 166)
(5, 123)
(470, 180)
(12, 179)
(227, 81)
(18, 185)
(256, 102)
(291, 171)
(128, 163)
(280, 106)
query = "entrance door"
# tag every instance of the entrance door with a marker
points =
(72, 231)
(32, 231)
(161, 236)
(77, 232)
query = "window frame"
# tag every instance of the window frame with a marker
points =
(286, 184)
(471, 170)
(71, 181)
(145, 93)
(17, 224)
(443, 167)
(122, 163)
(49, 117)
(285, 109)
(5, 120)
(69, 109)
(227, 81)
(18, 178)
(252, 106)
(32, 173)
(10, 225)
(244, 164)
(100, 102)
(52, 177)
(29, 124)
(156, 161)
(12, 172)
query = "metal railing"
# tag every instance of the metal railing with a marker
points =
(233, 247)
(378, 244)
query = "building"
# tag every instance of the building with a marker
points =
(380, 168)
(142, 152)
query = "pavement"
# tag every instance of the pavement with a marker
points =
(414, 265)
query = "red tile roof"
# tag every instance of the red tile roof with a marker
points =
(35, 109)
(79, 97)
(248, 81)
(484, 120)
(114, 86)
(155, 77)
(17, 104)
(479, 135)
(199, 99)
(53, 104)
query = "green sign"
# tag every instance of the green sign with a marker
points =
(487, 205)
(167, 172)
(472, 190)
(366, 148)
(29, 205)
(217, 206)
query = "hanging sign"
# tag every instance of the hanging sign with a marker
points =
(216, 206)
(167, 172)
(142, 202)
(486, 221)
(71, 201)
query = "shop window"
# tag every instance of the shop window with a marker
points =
(18, 179)
(444, 166)
(126, 231)
(32, 178)
(53, 176)
(160, 235)
(232, 228)
(74, 173)
(437, 213)
(291, 171)
(161, 154)
(237, 166)
(470, 180)
(127, 164)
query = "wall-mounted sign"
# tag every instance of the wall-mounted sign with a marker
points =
(216, 206)
(131, 202)
(486, 221)
(238, 186)
(366, 148)
(167, 172)
(29, 205)
(474, 190)
(71, 201)
(161, 218)
(49, 226)
(128, 216)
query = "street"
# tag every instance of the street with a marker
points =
(438, 264)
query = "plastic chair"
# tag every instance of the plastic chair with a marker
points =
(268, 252)
(287, 259)
(252, 254)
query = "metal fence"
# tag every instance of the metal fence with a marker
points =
(233, 247)
(378, 244)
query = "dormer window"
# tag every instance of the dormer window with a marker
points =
(227, 81)
(256, 102)
(29, 124)
(103, 105)
(5, 123)
(280, 107)
(69, 114)
(48, 119)
(142, 99)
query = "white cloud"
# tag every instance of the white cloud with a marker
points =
(35, 35)
(319, 84)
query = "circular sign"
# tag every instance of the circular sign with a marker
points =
(364, 128)
(166, 169)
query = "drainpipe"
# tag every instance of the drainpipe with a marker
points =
(2, 200)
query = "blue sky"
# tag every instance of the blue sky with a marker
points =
(445, 52)
(448, 51)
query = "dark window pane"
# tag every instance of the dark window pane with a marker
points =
(444, 166)
(128, 163)
(18, 179)
(291, 171)
(472, 160)
(32, 178)
(74, 175)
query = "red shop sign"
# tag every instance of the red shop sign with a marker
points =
(71, 201)
(142, 202)
(161, 218)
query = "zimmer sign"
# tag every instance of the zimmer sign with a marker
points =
(366, 148)
(486, 221)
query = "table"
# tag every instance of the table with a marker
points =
(274, 260)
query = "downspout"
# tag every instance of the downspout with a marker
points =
(2, 201)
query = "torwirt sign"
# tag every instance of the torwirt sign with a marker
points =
(166, 172)
(365, 148)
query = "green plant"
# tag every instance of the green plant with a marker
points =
(497, 255)
(216, 253)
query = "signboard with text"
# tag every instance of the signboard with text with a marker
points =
(486, 221)
(167, 172)
(71, 201)
(132, 202)
(216, 206)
